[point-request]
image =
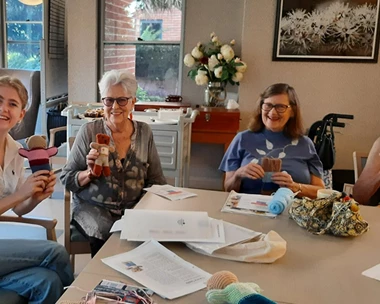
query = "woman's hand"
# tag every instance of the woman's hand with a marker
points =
(251, 170)
(91, 158)
(35, 183)
(49, 188)
(283, 179)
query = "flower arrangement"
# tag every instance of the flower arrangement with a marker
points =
(337, 28)
(214, 62)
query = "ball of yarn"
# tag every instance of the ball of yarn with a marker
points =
(221, 279)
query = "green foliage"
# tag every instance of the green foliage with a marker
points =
(143, 95)
(21, 61)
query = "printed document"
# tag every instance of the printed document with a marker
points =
(169, 192)
(234, 234)
(170, 226)
(160, 270)
(255, 204)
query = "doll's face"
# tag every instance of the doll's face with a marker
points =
(11, 111)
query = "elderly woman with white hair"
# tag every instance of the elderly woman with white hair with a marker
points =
(99, 201)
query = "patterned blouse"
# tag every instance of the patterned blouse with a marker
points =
(110, 195)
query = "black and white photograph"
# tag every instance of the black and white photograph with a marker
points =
(321, 30)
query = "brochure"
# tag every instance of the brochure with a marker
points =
(234, 234)
(160, 270)
(170, 226)
(169, 192)
(251, 204)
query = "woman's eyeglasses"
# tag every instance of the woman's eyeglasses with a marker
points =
(121, 101)
(280, 108)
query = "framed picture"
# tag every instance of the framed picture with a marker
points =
(325, 30)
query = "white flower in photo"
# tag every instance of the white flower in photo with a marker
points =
(237, 77)
(212, 62)
(241, 68)
(227, 52)
(189, 60)
(196, 53)
(201, 78)
(218, 72)
(220, 56)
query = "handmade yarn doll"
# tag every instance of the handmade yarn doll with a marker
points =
(224, 287)
(103, 147)
(37, 153)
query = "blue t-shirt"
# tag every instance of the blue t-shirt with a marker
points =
(299, 158)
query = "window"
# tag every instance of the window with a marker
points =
(144, 37)
(24, 30)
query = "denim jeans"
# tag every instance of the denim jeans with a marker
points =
(35, 269)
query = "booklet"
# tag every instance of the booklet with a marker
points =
(170, 226)
(127, 293)
(234, 234)
(169, 192)
(160, 270)
(252, 204)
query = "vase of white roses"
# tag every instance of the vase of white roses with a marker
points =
(215, 64)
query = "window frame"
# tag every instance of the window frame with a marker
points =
(103, 43)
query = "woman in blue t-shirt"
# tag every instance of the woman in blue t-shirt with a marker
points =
(275, 132)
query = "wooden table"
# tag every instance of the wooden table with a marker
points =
(315, 269)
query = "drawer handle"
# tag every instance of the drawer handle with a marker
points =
(208, 117)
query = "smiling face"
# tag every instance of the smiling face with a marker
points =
(273, 120)
(116, 114)
(11, 108)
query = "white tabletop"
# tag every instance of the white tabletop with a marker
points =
(315, 269)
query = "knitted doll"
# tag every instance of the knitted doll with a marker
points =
(37, 153)
(103, 147)
(225, 288)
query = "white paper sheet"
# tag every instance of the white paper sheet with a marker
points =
(169, 192)
(373, 273)
(170, 226)
(233, 234)
(251, 204)
(160, 270)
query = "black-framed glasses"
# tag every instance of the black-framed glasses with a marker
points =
(121, 101)
(280, 108)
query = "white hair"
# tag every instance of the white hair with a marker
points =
(115, 77)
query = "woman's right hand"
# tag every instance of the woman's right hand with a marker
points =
(251, 170)
(91, 158)
(35, 183)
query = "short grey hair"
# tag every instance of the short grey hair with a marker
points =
(115, 77)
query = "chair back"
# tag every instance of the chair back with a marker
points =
(32, 82)
(360, 159)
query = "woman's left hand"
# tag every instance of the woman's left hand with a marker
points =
(49, 188)
(283, 179)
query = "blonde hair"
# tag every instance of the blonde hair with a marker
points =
(115, 77)
(15, 83)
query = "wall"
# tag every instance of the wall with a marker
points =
(323, 87)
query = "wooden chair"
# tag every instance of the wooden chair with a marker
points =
(13, 227)
(74, 241)
(360, 159)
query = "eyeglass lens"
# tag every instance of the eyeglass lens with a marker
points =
(280, 108)
(121, 101)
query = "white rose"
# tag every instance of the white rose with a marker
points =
(188, 60)
(233, 42)
(201, 78)
(227, 52)
(237, 77)
(237, 59)
(212, 34)
(218, 72)
(220, 56)
(215, 39)
(212, 62)
(196, 53)
(241, 68)
(199, 44)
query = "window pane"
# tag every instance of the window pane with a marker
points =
(140, 21)
(24, 56)
(16, 11)
(156, 67)
(24, 31)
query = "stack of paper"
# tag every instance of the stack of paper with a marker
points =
(252, 204)
(171, 226)
(159, 269)
(169, 192)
